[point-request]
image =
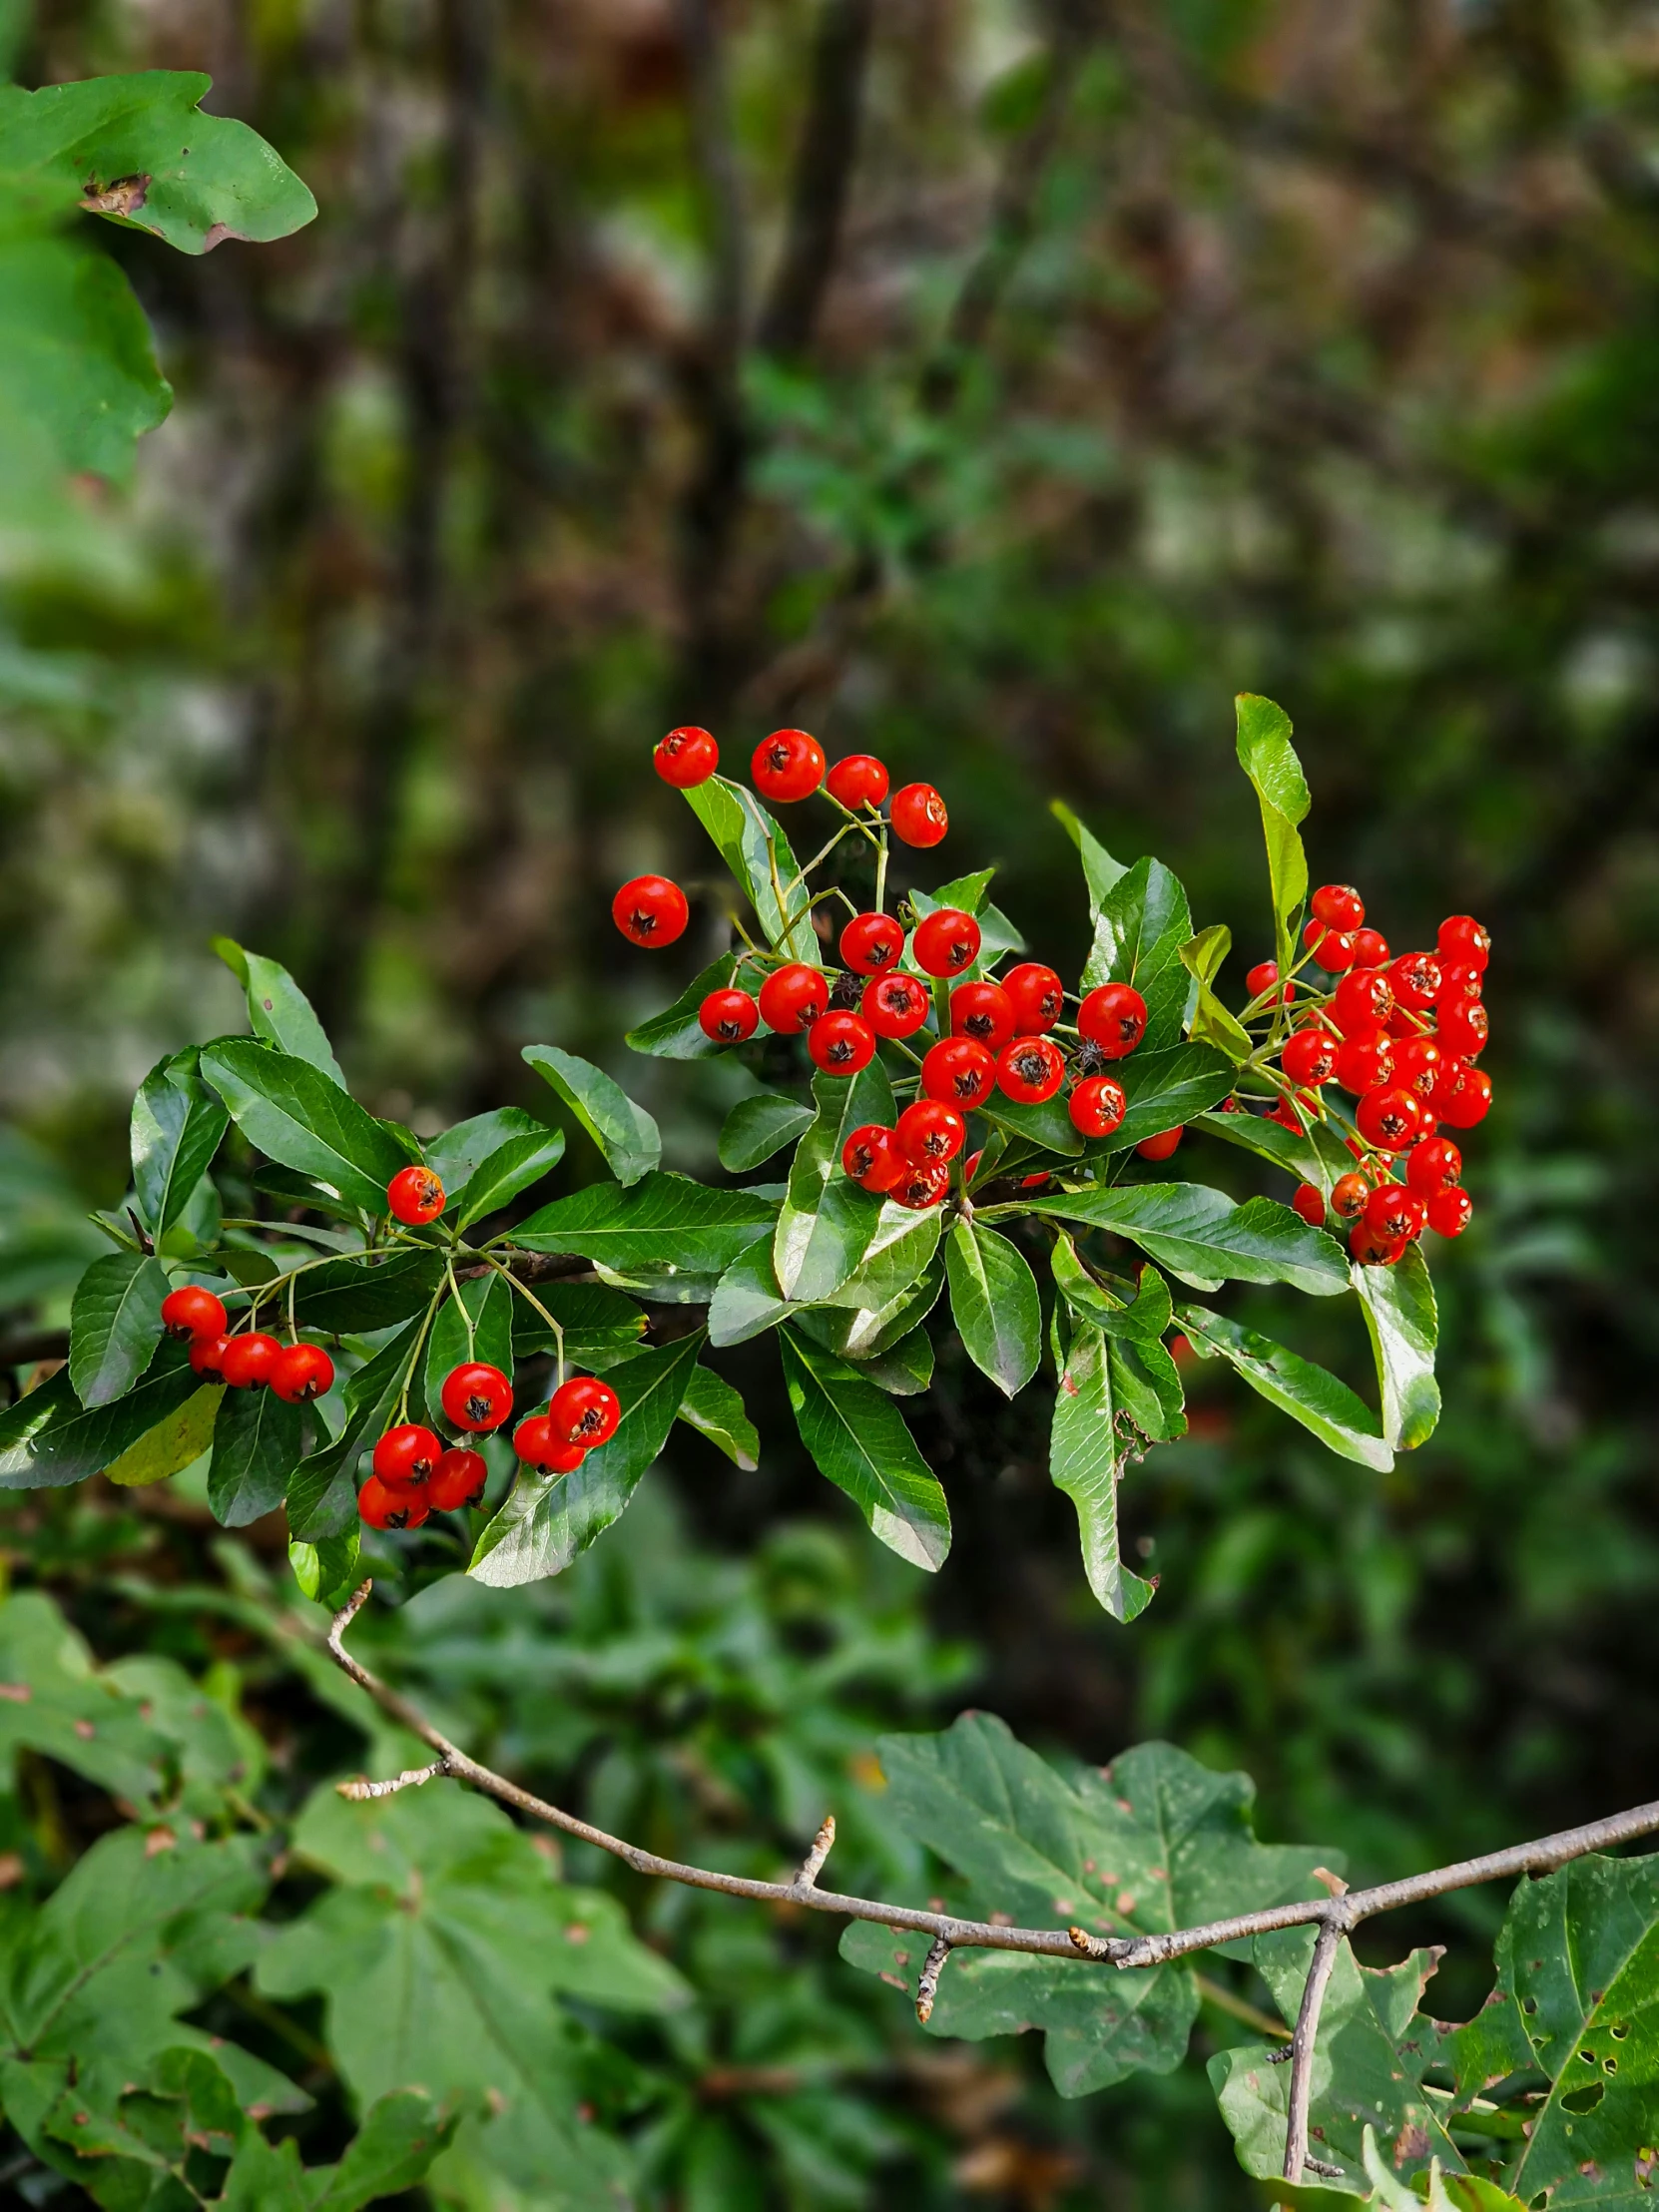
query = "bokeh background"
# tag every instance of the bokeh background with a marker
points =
(999, 388)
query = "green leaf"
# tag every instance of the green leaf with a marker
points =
(1152, 1842)
(548, 1520)
(600, 1325)
(716, 1410)
(172, 1444)
(1310, 1394)
(1268, 1140)
(1399, 1306)
(401, 2135)
(524, 1159)
(666, 1221)
(901, 1249)
(1047, 1125)
(1146, 1388)
(827, 1221)
(1203, 1236)
(176, 1127)
(862, 1333)
(294, 1114)
(47, 1439)
(757, 852)
(905, 1370)
(1144, 922)
(115, 1325)
(1147, 1315)
(757, 1127)
(1267, 758)
(488, 1304)
(1085, 1460)
(327, 1571)
(257, 1441)
(56, 1702)
(994, 1304)
(676, 1033)
(625, 1133)
(350, 1297)
(455, 1155)
(278, 1009)
(1210, 1022)
(858, 1439)
(1100, 870)
(1164, 1089)
(78, 370)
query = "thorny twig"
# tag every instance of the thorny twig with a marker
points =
(1335, 1916)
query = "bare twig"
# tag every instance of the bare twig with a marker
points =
(410, 1779)
(927, 1988)
(1331, 1931)
(813, 1864)
(822, 173)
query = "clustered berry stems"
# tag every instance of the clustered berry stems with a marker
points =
(1335, 1916)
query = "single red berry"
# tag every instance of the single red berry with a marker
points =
(1337, 905)
(585, 1412)
(476, 1397)
(1458, 980)
(1030, 1069)
(1366, 1060)
(206, 1355)
(728, 1016)
(1464, 1028)
(970, 1166)
(1370, 948)
(686, 756)
(1309, 1057)
(1434, 1165)
(1161, 1146)
(1261, 979)
(921, 1186)
(841, 1044)
(1449, 1212)
(380, 1507)
(872, 944)
(1037, 996)
(931, 1130)
(895, 1006)
(859, 781)
(190, 1311)
(414, 1196)
(1285, 1112)
(457, 1480)
(983, 1011)
(1392, 1211)
(1038, 1182)
(1370, 1250)
(1427, 1124)
(1418, 1066)
(792, 997)
(1348, 1194)
(1463, 1094)
(246, 1361)
(946, 942)
(301, 1373)
(1097, 1106)
(1389, 1118)
(918, 815)
(958, 1071)
(1308, 1202)
(406, 1457)
(1462, 938)
(538, 1447)
(1332, 948)
(1364, 999)
(1415, 977)
(871, 1156)
(1114, 1018)
(787, 766)
(651, 910)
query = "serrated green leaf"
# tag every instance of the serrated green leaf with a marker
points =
(666, 1221)
(858, 1439)
(1310, 1394)
(1085, 1460)
(757, 852)
(716, 1410)
(757, 1127)
(1144, 922)
(48, 1438)
(676, 1033)
(1401, 1315)
(293, 1113)
(176, 1129)
(115, 1325)
(278, 1009)
(256, 1446)
(510, 1169)
(994, 1304)
(1100, 870)
(172, 1444)
(1203, 1236)
(625, 1133)
(827, 1221)
(1269, 758)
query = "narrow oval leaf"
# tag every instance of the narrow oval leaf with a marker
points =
(827, 1221)
(994, 1304)
(1164, 1089)
(757, 852)
(900, 1248)
(294, 1114)
(176, 1440)
(1203, 1236)
(1269, 758)
(676, 1033)
(1403, 1322)
(79, 381)
(1310, 1394)
(1146, 1388)
(905, 1370)
(716, 1410)
(625, 1133)
(1085, 1458)
(322, 1489)
(115, 1325)
(1145, 1316)
(512, 1168)
(258, 1443)
(48, 1438)
(350, 1296)
(863, 1332)
(176, 1129)
(455, 1155)
(1269, 1140)
(1100, 870)
(858, 1439)
(278, 1009)
(747, 1299)
(600, 1326)
(757, 1127)
(668, 1221)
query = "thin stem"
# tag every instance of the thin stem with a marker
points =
(882, 875)
(455, 1293)
(524, 1291)
(432, 1304)
(1331, 1933)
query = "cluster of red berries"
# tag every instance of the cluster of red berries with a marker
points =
(1403, 1035)
(296, 1372)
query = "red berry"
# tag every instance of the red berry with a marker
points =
(1285, 1114)
(651, 910)
(918, 815)
(1370, 948)
(1464, 1028)
(841, 1044)
(585, 1412)
(1389, 1118)
(1161, 1146)
(1037, 996)
(246, 1361)
(1434, 1165)
(787, 766)
(383, 1509)
(1370, 1250)
(1309, 1057)
(1392, 1211)
(1449, 1212)
(301, 1373)
(1429, 1123)
(871, 1156)
(1415, 977)
(686, 756)
(1418, 1066)
(946, 942)
(1366, 1060)
(1458, 980)
(958, 1071)
(1364, 999)
(1332, 948)
(1462, 938)
(457, 1480)
(859, 781)
(1097, 1106)
(406, 1457)
(895, 1006)
(793, 998)
(1348, 1194)
(921, 1186)
(1337, 905)
(190, 1311)
(1261, 978)
(205, 1353)
(871, 942)
(729, 1017)
(970, 1166)
(1038, 1182)
(1030, 1069)
(929, 1130)
(1463, 1095)
(1114, 1018)
(539, 1447)
(414, 1196)
(983, 1011)
(476, 1397)
(1308, 1202)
